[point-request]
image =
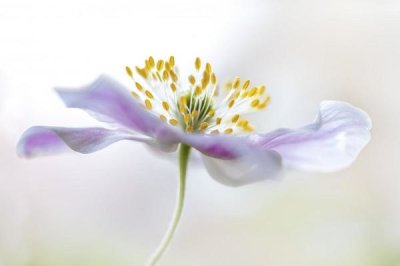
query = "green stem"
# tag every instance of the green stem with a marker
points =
(184, 152)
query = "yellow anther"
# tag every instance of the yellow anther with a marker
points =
(194, 114)
(203, 125)
(235, 118)
(264, 103)
(139, 86)
(246, 84)
(231, 103)
(148, 104)
(182, 104)
(243, 123)
(261, 90)
(197, 63)
(151, 62)
(252, 92)
(213, 79)
(163, 118)
(211, 113)
(141, 72)
(218, 120)
(228, 85)
(165, 75)
(186, 118)
(149, 94)
(160, 64)
(254, 103)
(248, 128)
(147, 65)
(173, 87)
(134, 94)
(173, 76)
(228, 131)
(208, 68)
(165, 105)
(173, 121)
(167, 66)
(192, 79)
(236, 83)
(198, 90)
(172, 61)
(189, 129)
(129, 71)
(205, 80)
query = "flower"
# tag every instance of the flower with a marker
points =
(164, 111)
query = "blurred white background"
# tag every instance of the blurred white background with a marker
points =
(112, 207)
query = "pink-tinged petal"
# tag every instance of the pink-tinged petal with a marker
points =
(233, 161)
(38, 141)
(331, 143)
(110, 102)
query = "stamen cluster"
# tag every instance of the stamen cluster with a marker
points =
(194, 105)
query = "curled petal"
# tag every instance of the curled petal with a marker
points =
(110, 102)
(37, 141)
(248, 168)
(331, 143)
(232, 161)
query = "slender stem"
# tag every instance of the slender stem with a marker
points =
(184, 152)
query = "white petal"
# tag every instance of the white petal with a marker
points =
(244, 170)
(331, 143)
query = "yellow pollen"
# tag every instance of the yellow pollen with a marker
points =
(197, 64)
(252, 92)
(243, 123)
(151, 62)
(160, 64)
(189, 129)
(198, 90)
(235, 118)
(149, 94)
(255, 102)
(236, 83)
(194, 114)
(163, 118)
(148, 104)
(139, 86)
(218, 120)
(261, 90)
(211, 113)
(231, 103)
(228, 131)
(165, 105)
(192, 79)
(165, 75)
(246, 84)
(141, 72)
(208, 68)
(134, 94)
(203, 125)
(186, 118)
(173, 87)
(248, 128)
(213, 79)
(173, 76)
(173, 122)
(172, 61)
(129, 71)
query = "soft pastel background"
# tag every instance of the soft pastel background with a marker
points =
(112, 207)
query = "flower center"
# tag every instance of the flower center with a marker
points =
(198, 105)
